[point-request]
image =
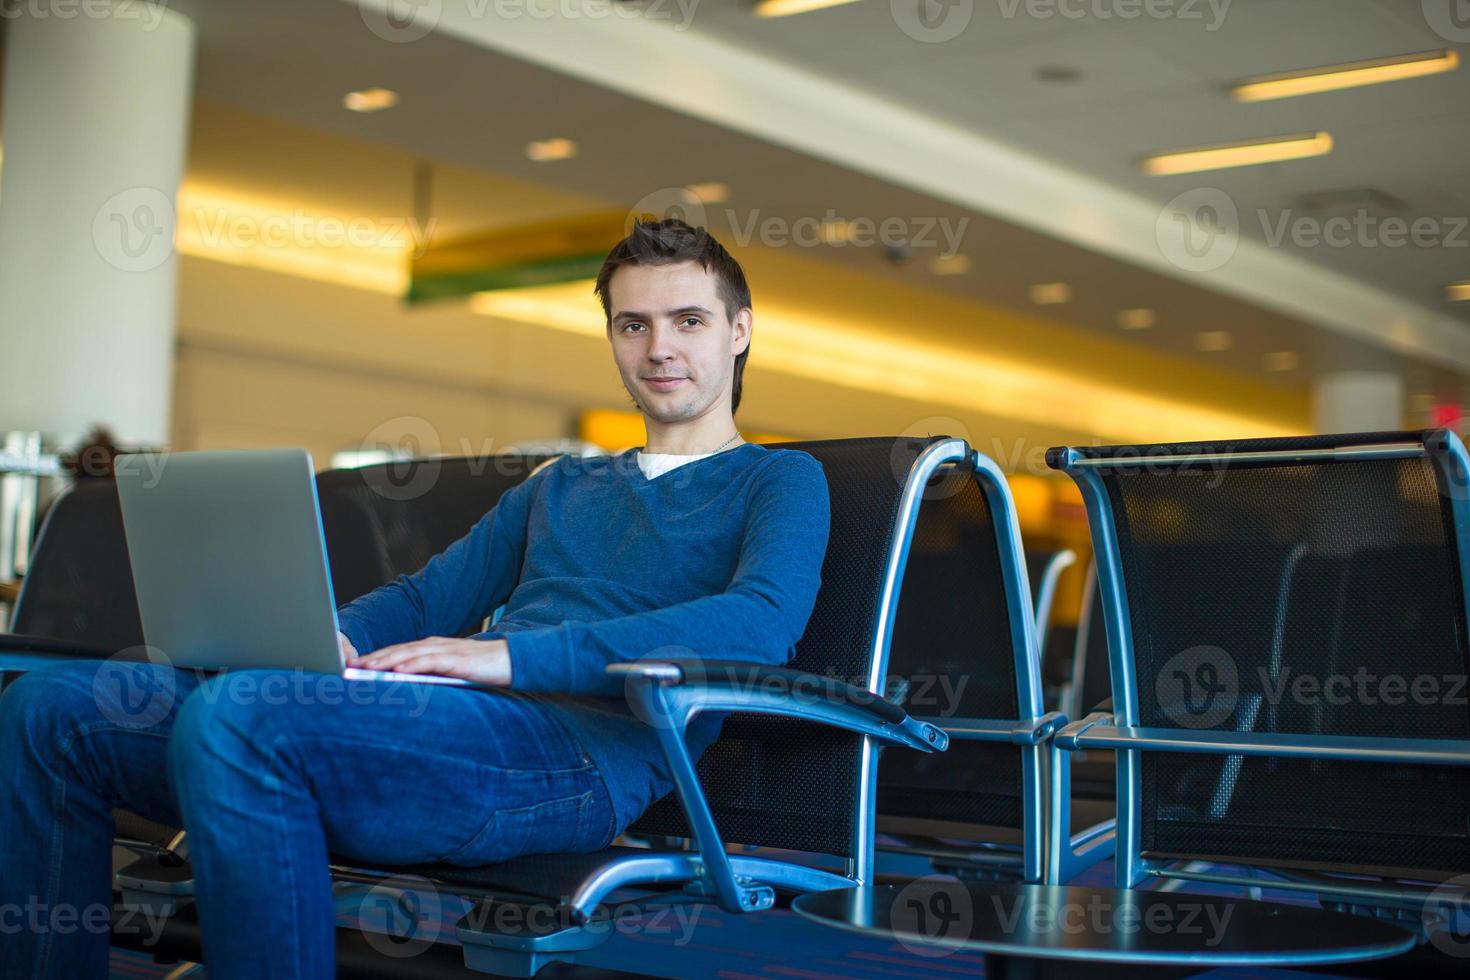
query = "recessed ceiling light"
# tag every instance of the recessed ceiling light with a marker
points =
(556, 148)
(1050, 293)
(1282, 360)
(785, 8)
(1333, 77)
(1213, 341)
(1458, 292)
(1140, 318)
(1245, 154)
(1058, 75)
(836, 231)
(710, 193)
(949, 265)
(370, 100)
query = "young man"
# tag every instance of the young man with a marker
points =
(697, 545)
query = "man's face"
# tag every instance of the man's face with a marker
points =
(673, 342)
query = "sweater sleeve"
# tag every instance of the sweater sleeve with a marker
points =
(759, 617)
(458, 587)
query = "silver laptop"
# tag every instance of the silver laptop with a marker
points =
(230, 562)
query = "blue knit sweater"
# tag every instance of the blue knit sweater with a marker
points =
(597, 564)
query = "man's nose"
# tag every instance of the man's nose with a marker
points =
(661, 344)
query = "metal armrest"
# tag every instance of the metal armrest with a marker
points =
(738, 685)
(1068, 738)
(668, 693)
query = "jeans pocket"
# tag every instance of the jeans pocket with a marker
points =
(549, 827)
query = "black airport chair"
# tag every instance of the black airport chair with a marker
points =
(794, 768)
(965, 657)
(77, 598)
(1247, 589)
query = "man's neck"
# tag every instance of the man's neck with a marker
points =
(705, 436)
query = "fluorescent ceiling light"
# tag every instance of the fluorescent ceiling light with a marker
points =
(1050, 293)
(710, 193)
(949, 265)
(1333, 77)
(1140, 318)
(1458, 292)
(1244, 154)
(1213, 341)
(785, 8)
(556, 148)
(1282, 360)
(370, 100)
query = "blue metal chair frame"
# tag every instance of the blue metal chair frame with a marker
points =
(1120, 730)
(1046, 592)
(658, 688)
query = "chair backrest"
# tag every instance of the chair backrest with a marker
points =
(1299, 587)
(780, 783)
(79, 587)
(389, 519)
(954, 657)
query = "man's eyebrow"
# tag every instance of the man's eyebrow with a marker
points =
(626, 315)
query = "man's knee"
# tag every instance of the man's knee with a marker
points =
(231, 719)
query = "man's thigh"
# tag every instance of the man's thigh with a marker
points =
(407, 773)
(106, 723)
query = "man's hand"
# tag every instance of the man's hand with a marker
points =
(349, 652)
(482, 661)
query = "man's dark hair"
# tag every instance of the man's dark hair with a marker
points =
(669, 242)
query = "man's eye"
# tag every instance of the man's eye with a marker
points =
(691, 319)
(631, 326)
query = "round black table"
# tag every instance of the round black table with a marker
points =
(1050, 930)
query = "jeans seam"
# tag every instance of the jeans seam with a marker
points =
(61, 754)
(273, 760)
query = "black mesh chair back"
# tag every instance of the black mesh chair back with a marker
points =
(389, 519)
(1297, 595)
(79, 587)
(952, 657)
(780, 783)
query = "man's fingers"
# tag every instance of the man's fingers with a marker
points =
(389, 657)
(426, 663)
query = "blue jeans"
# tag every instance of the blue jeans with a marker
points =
(269, 772)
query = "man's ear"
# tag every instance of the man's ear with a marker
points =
(741, 328)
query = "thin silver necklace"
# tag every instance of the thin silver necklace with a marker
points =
(716, 449)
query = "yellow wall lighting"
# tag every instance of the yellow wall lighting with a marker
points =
(1245, 154)
(798, 343)
(785, 8)
(273, 236)
(1458, 292)
(1333, 77)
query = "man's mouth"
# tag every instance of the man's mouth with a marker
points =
(664, 384)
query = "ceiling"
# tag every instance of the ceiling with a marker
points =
(1143, 86)
(1146, 84)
